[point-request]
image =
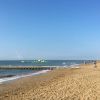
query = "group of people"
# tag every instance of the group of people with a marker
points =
(94, 62)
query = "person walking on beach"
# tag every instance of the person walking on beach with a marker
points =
(95, 66)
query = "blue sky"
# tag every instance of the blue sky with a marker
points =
(50, 29)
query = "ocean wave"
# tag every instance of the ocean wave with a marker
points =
(2, 80)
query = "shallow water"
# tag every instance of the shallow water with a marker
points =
(7, 72)
(2, 80)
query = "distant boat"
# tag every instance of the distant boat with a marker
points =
(40, 61)
(22, 61)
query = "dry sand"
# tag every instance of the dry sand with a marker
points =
(60, 84)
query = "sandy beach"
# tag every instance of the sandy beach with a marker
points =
(60, 84)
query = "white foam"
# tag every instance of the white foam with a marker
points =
(2, 80)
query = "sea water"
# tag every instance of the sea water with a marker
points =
(11, 74)
(40, 62)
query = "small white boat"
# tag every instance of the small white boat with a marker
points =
(40, 60)
(22, 61)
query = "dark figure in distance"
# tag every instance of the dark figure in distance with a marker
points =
(95, 66)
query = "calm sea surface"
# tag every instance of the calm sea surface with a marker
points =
(40, 63)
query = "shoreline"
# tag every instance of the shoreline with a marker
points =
(6, 79)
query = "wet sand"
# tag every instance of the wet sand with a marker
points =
(61, 84)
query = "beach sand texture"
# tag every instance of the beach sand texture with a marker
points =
(60, 84)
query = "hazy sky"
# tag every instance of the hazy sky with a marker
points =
(50, 29)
